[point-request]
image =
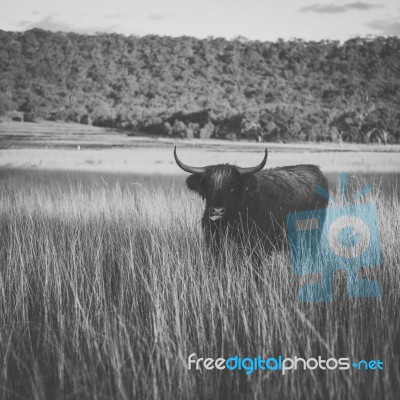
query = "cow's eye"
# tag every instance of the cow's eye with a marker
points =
(232, 189)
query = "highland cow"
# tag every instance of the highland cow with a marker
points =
(251, 205)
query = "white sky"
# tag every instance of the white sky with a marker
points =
(253, 19)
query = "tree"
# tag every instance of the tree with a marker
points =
(131, 81)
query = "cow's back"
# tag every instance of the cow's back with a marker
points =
(283, 190)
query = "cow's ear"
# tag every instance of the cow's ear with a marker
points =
(194, 182)
(250, 185)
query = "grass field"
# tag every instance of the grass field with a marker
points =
(106, 287)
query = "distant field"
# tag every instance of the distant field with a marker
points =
(80, 147)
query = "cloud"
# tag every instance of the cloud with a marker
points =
(23, 24)
(360, 5)
(51, 23)
(331, 8)
(115, 16)
(158, 16)
(389, 26)
(323, 8)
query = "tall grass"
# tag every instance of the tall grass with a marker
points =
(105, 290)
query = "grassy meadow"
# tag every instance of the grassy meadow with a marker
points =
(106, 287)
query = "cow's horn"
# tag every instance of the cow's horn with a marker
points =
(257, 168)
(188, 168)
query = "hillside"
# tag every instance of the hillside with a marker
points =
(187, 87)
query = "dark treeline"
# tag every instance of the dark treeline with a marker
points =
(284, 90)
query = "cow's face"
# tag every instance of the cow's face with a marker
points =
(225, 188)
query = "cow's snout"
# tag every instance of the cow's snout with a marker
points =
(217, 212)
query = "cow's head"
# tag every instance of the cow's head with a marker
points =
(225, 187)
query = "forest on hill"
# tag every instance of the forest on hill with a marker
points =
(187, 87)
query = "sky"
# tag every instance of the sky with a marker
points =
(252, 19)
